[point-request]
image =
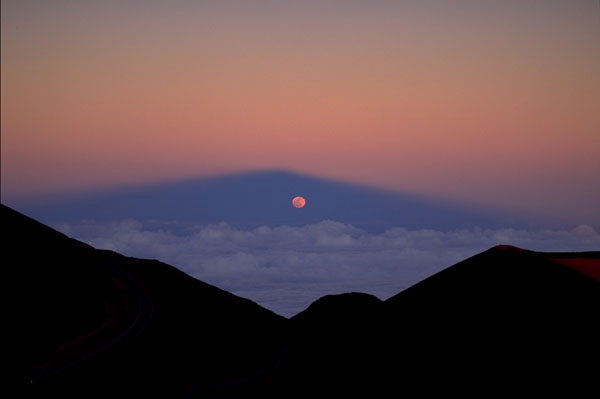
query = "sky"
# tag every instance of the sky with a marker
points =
(488, 102)
(484, 105)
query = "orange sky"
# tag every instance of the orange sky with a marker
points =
(473, 101)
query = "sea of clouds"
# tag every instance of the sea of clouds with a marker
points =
(286, 268)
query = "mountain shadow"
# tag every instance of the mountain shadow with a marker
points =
(257, 199)
(89, 322)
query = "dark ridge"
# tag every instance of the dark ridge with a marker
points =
(93, 323)
(502, 320)
(339, 309)
(90, 323)
(509, 315)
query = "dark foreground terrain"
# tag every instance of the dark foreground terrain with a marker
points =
(85, 322)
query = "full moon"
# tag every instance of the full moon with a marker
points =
(298, 202)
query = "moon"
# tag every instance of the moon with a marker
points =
(298, 202)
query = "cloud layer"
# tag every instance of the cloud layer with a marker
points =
(286, 268)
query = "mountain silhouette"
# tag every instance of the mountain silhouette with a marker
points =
(88, 322)
(264, 198)
(93, 322)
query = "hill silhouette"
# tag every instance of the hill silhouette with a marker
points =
(93, 322)
(89, 322)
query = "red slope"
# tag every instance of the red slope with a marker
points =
(587, 266)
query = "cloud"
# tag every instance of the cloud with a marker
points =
(286, 268)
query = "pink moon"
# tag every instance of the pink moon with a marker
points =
(298, 202)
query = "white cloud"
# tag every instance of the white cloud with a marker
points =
(286, 268)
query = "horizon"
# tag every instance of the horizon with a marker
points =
(242, 234)
(515, 217)
(487, 103)
(421, 132)
(287, 268)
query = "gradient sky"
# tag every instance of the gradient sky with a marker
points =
(491, 102)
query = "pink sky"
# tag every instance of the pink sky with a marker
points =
(494, 103)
